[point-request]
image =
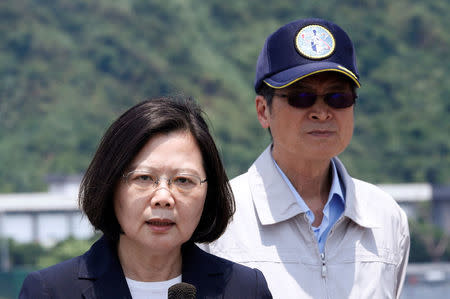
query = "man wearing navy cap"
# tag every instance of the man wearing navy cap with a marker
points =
(312, 229)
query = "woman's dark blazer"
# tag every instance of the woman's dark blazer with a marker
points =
(98, 274)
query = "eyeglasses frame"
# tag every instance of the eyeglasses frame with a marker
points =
(125, 176)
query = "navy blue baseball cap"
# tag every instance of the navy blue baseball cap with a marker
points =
(303, 48)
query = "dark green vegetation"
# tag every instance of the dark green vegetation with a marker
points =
(36, 256)
(24, 258)
(69, 67)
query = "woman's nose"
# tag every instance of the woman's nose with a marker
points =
(162, 198)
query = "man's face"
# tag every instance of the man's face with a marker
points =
(319, 132)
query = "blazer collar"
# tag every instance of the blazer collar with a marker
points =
(101, 274)
(203, 270)
(274, 201)
(101, 270)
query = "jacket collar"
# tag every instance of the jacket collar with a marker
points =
(271, 195)
(101, 269)
(357, 206)
(274, 201)
(206, 272)
(101, 274)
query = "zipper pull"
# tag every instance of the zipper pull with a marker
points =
(324, 267)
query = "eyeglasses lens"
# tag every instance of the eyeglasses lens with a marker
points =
(146, 181)
(336, 100)
(302, 100)
(340, 100)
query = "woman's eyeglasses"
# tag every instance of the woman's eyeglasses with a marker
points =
(147, 181)
(337, 100)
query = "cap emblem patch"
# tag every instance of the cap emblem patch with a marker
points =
(315, 42)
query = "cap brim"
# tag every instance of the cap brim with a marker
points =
(292, 75)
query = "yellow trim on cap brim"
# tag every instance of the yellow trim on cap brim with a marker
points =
(344, 71)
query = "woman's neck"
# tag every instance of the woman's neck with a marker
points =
(140, 264)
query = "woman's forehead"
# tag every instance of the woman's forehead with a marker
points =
(177, 149)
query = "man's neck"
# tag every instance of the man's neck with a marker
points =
(311, 179)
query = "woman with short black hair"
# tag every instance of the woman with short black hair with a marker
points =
(155, 186)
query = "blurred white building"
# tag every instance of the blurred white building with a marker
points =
(44, 217)
(54, 215)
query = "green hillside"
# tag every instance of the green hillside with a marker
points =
(68, 68)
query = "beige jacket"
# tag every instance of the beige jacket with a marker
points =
(365, 255)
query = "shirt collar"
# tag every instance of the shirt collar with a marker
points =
(274, 202)
(336, 187)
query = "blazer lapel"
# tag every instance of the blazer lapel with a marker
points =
(206, 273)
(101, 274)
(108, 286)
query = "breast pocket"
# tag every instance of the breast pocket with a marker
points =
(270, 254)
(376, 255)
(369, 272)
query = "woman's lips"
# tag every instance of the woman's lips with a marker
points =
(160, 225)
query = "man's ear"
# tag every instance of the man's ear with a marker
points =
(262, 111)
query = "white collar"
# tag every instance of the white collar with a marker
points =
(266, 183)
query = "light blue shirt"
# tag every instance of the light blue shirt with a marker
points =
(331, 212)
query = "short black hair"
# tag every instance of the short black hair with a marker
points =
(267, 92)
(123, 141)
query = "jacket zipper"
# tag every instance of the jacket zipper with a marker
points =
(324, 265)
(322, 255)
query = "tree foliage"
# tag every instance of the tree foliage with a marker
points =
(36, 256)
(428, 242)
(70, 67)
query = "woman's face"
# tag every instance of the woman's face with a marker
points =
(162, 216)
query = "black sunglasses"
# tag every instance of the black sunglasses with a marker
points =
(337, 100)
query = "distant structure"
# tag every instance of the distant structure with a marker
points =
(54, 215)
(441, 207)
(411, 196)
(44, 217)
(69, 184)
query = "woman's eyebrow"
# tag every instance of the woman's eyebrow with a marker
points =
(174, 170)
